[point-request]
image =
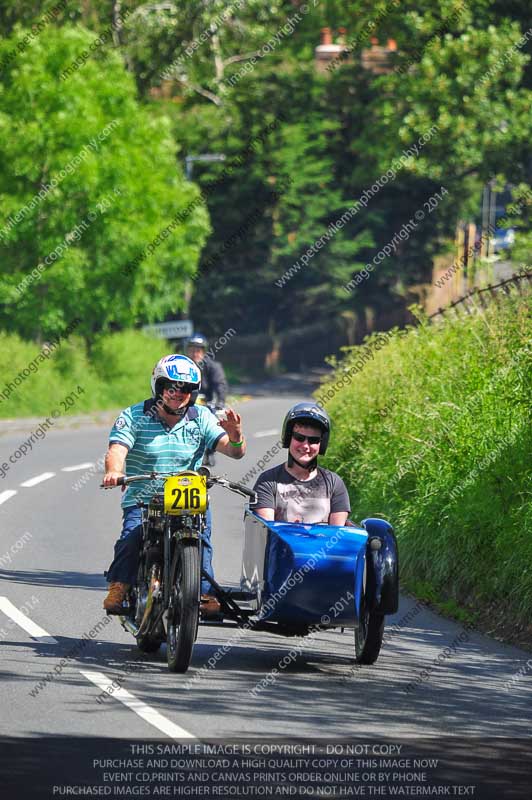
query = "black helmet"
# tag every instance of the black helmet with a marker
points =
(198, 340)
(311, 413)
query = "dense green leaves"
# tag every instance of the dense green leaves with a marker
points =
(221, 73)
(117, 370)
(88, 180)
(457, 93)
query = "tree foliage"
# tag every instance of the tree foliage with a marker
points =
(222, 72)
(88, 180)
(460, 70)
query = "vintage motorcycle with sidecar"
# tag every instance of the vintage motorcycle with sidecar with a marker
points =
(296, 578)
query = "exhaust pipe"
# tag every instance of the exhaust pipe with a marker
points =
(129, 626)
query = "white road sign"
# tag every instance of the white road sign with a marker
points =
(175, 329)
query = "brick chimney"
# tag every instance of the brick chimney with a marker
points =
(326, 36)
(342, 36)
(326, 51)
(377, 59)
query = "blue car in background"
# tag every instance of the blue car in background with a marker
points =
(503, 239)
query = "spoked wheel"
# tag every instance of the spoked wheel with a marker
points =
(183, 612)
(368, 635)
(147, 642)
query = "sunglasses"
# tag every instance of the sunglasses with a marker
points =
(310, 439)
(185, 388)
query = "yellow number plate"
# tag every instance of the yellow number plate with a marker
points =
(185, 494)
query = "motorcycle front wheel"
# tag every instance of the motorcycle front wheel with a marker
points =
(183, 611)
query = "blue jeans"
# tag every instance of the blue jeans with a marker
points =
(125, 564)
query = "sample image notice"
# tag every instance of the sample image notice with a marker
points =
(116, 768)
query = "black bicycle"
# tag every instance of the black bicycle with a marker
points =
(164, 604)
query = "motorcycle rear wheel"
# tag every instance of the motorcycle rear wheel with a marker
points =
(146, 642)
(183, 612)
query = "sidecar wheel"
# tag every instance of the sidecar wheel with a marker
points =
(368, 636)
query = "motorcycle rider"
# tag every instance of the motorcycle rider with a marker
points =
(213, 380)
(166, 433)
(299, 490)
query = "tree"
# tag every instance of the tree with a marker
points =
(316, 153)
(461, 70)
(92, 201)
(281, 195)
(198, 45)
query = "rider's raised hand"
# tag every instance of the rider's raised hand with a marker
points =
(234, 443)
(232, 425)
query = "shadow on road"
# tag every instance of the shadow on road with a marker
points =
(63, 580)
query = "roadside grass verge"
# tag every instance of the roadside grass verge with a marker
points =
(114, 375)
(434, 433)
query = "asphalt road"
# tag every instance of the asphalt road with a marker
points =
(56, 539)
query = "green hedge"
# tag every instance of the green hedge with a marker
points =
(116, 373)
(432, 430)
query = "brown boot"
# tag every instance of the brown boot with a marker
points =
(114, 600)
(209, 606)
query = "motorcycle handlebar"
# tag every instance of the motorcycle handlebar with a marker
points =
(212, 480)
(244, 490)
(125, 480)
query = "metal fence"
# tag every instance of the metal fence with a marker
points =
(485, 295)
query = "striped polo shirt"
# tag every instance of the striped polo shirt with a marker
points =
(154, 446)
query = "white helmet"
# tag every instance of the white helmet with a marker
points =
(179, 369)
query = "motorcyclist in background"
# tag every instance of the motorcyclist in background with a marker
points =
(213, 380)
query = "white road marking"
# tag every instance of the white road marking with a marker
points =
(148, 714)
(31, 627)
(45, 476)
(270, 432)
(6, 495)
(86, 465)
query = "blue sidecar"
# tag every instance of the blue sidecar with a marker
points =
(301, 577)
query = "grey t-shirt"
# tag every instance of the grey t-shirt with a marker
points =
(301, 501)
